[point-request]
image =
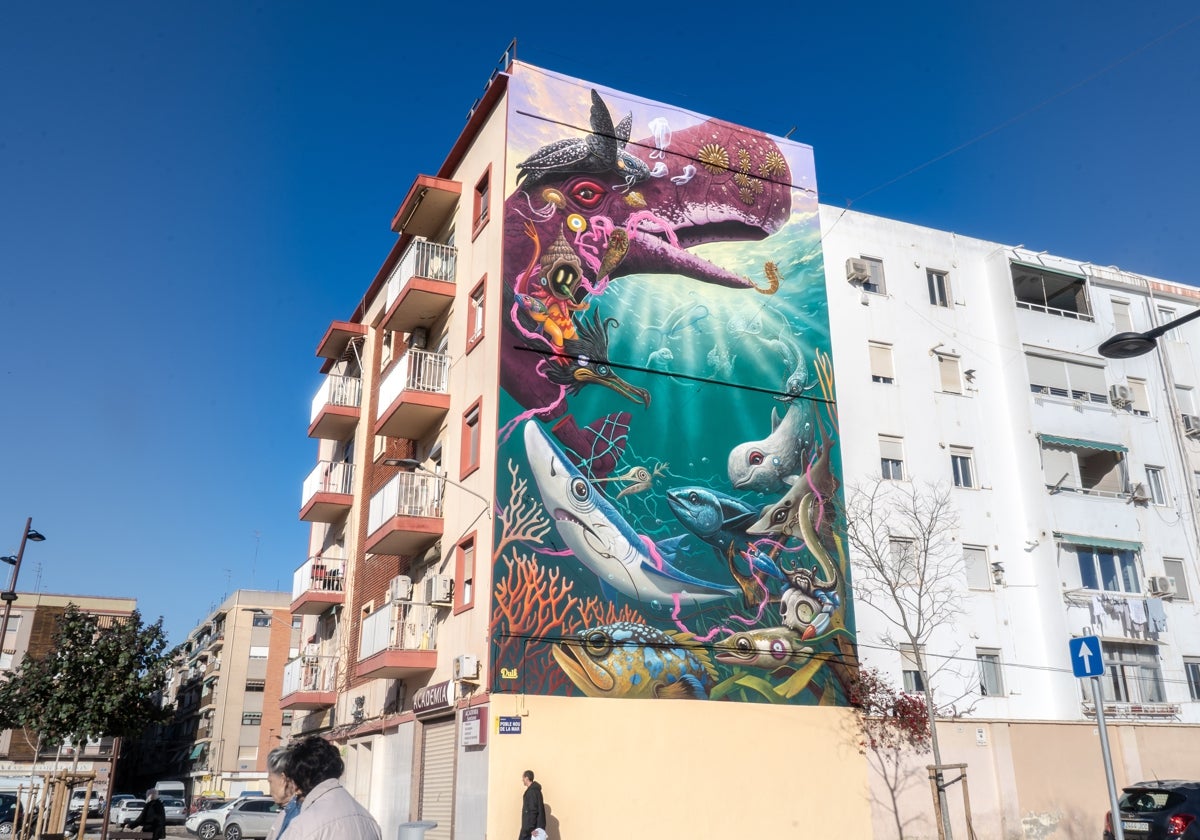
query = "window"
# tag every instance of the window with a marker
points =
(1108, 569)
(387, 348)
(464, 585)
(1192, 666)
(1165, 314)
(1174, 569)
(1070, 380)
(949, 374)
(875, 285)
(1080, 466)
(991, 683)
(1139, 397)
(1059, 294)
(1186, 399)
(262, 619)
(910, 669)
(881, 363)
(256, 685)
(891, 457)
(901, 549)
(1122, 322)
(1156, 485)
(475, 314)
(297, 622)
(939, 287)
(259, 651)
(962, 462)
(1131, 674)
(251, 718)
(286, 718)
(479, 212)
(975, 561)
(1196, 482)
(470, 440)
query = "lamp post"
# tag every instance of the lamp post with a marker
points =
(9, 595)
(1126, 345)
(414, 464)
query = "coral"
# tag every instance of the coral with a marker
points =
(533, 603)
(594, 612)
(522, 518)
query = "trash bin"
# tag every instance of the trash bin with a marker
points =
(415, 830)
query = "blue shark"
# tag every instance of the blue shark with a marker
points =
(603, 541)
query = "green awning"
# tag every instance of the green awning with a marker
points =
(1080, 443)
(1098, 542)
(1048, 270)
(197, 751)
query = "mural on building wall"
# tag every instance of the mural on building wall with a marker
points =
(668, 448)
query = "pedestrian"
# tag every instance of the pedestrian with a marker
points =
(533, 809)
(282, 791)
(153, 817)
(327, 810)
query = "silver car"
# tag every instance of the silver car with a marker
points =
(175, 810)
(249, 818)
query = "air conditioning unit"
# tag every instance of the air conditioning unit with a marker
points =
(1161, 585)
(1191, 424)
(400, 589)
(857, 271)
(418, 339)
(1121, 395)
(466, 667)
(438, 589)
(1138, 494)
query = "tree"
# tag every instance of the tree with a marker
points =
(891, 723)
(99, 678)
(908, 567)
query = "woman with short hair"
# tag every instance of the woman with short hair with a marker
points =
(327, 810)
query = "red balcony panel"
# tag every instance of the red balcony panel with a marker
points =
(393, 663)
(338, 337)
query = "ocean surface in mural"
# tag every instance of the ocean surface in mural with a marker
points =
(668, 458)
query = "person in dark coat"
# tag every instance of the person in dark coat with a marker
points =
(533, 809)
(153, 817)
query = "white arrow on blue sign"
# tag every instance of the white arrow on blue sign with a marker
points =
(1086, 660)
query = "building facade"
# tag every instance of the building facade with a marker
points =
(581, 448)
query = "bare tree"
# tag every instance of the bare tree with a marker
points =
(908, 566)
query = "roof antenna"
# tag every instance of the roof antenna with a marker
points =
(788, 136)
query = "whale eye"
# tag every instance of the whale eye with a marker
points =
(579, 488)
(587, 193)
(597, 644)
(780, 516)
(755, 458)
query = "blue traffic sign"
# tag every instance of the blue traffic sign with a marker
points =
(1086, 660)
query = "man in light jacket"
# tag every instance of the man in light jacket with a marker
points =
(327, 811)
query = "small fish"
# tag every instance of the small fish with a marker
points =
(531, 304)
(627, 659)
(618, 247)
(769, 647)
(660, 359)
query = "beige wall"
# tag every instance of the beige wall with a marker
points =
(667, 768)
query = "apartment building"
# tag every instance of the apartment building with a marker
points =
(579, 451)
(31, 629)
(225, 690)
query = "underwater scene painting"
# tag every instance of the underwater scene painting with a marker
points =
(668, 468)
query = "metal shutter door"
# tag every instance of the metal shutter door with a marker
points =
(437, 779)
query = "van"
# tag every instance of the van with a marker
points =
(173, 789)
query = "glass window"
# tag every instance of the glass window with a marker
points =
(262, 620)
(1192, 667)
(975, 561)
(1121, 320)
(1070, 380)
(962, 461)
(881, 363)
(1174, 569)
(1041, 290)
(950, 374)
(1131, 674)
(1156, 485)
(1108, 569)
(470, 440)
(991, 682)
(482, 196)
(1139, 397)
(939, 287)
(465, 587)
(891, 457)
(251, 718)
(475, 314)
(911, 669)
(1184, 396)
(876, 284)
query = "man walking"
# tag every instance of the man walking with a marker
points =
(533, 809)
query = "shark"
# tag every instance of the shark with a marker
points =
(604, 542)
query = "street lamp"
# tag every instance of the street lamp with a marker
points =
(9, 595)
(414, 464)
(1126, 345)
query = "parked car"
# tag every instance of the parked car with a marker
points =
(8, 813)
(1159, 810)
(95, 803)
(126, 809)
(175, 809)
(206, 824)
(250, 817)
(117, 797)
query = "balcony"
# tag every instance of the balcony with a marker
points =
(413, 396)
(338, 337)
(427, 207)
(309, 682)
(336, 408)
(328, 492)
(406, 515)
(318, 585)
(397, 641)
(421, 287)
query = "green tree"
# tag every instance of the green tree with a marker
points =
(101, 677)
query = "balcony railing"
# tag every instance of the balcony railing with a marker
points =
(399, 627)
(319, 574)
(329, 477)
(310, 673)
(422, 259)
(335, 408)
(417, 370)
(407, 494)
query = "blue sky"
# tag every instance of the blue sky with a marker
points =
(190, 193)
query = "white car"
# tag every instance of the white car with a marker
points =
(249, 817)
(207, 824)
(126, 809)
